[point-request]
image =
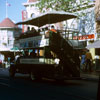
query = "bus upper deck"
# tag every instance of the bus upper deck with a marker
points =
(54, 47)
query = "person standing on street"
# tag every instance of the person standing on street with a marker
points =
(88, 61)
(0, 63)
(83, 61)
(16, 57)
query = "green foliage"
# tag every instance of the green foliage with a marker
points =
(64, 5)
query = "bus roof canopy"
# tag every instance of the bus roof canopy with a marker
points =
(48, 18)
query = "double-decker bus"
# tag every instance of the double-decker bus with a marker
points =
(50, 57)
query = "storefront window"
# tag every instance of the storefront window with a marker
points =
(97, 51)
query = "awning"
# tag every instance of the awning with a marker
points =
(15, 49)
(77, 44)
(49, 18)
(96, 44)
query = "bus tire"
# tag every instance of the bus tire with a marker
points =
(12, 72)
(32, 76)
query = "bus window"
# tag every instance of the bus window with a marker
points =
(41, 52)
(33, 54)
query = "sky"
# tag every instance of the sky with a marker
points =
(14, 10)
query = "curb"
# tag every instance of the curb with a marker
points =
(91, 77)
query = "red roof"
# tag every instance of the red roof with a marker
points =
(32, 0)
(7, 23)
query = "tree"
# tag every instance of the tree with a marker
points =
(80, 7)
(64, 5)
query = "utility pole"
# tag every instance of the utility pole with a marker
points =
(6, 10)
(7, 4)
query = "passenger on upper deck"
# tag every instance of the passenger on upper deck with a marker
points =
(46, 32)
(33, 30)
(53, 29)
(28, 30)
(38, 31)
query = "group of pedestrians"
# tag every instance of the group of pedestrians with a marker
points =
(86, 61)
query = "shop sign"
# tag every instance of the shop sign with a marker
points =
(84, 37)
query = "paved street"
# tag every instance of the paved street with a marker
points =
(21, 87)
(49, 38)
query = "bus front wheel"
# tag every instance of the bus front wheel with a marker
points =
(35, 76)
(11, 72)
(32, 76)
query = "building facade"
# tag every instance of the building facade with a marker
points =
(97, 16)
(8, 32)
(29, 12)
(82, 29)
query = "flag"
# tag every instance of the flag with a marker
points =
(7, 4)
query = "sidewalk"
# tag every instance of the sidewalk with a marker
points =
(90, 75)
